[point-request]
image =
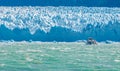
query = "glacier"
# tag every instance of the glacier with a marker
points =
(59, 23)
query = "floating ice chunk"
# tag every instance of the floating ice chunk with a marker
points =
(2, 65)
(108, 42)
(29, 59)
(117, 60)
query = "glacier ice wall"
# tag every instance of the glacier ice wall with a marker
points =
(85, 20)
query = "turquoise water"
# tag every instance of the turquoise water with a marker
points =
(73, 56)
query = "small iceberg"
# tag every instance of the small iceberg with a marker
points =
(108, 42)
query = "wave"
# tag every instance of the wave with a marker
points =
(98, 22)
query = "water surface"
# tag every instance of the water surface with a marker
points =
(46, 56)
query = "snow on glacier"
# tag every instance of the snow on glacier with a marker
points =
(44, 18)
